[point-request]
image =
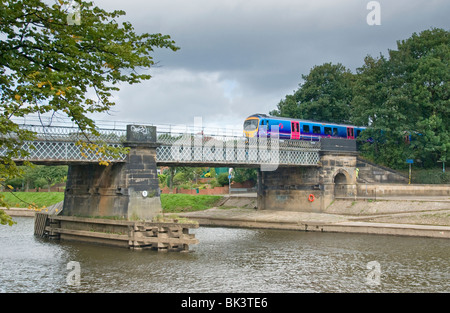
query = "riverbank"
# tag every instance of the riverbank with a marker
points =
(422, 217)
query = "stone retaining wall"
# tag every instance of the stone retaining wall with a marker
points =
(396, 190)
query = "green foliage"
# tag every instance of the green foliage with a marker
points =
(213, 182)
(184, 175)
(407, 94)
(324, 95)
(179, 178)
(38, 199)
(49, 66)
(243, 174)
(38, 176)
(162, 178)
(429, 176)
(173, 203)
(6, 219)
(222, 179)
(402, 95)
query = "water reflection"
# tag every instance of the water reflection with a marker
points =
(228, 260)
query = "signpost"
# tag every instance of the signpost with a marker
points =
(409, 161)
(229, 180)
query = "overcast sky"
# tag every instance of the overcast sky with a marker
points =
(240, 57)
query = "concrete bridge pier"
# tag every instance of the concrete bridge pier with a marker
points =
(337, 175)
(308, 188)
(127, 190)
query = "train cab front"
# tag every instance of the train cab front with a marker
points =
(251, 127)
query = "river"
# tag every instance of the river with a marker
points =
(227, 260)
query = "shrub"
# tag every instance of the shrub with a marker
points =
(179, 178)
(222, 179)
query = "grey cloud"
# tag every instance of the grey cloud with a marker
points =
(262, 47)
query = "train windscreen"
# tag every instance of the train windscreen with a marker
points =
(251, 125)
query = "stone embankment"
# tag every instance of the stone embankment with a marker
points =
(425, 217)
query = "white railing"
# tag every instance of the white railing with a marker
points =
(58, 144)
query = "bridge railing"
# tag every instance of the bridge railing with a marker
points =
(73, 134)
(59, 144)
(198, 148)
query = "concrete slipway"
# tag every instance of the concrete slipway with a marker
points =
(419, 216)
(425, 217)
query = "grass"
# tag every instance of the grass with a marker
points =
(39, 199)
(176, 203)
(171, 203)
(428, 176)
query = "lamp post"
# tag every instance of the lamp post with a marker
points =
(409, 161)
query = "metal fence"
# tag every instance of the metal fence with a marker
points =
(59, 144)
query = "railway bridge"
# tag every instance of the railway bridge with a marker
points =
(292, 175)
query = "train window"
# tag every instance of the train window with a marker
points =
(251, 125)
(305, 128)
(358, 132)
(335, 131)
(316, 129)
(327, 130)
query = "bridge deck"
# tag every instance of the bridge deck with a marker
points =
(58, 145)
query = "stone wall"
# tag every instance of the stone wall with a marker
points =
(96, 190)
(127, 190)
(308, 189)
(288, 189)
(396, 190)
(376, 174)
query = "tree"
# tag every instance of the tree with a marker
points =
(48, 65)
(222, 179)
(52, 174)
(288, 107)
(39, 176)
(325, 95)
(407, 96)
(243, 174)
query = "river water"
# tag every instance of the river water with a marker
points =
(227, 260)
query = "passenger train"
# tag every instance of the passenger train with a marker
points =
(261, 125)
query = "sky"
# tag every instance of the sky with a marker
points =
(240, 57)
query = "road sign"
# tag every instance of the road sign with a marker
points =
(409, 161)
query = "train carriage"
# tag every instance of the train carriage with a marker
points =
(261, 125)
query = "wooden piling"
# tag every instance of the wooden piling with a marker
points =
(40, 222)
(136, 235)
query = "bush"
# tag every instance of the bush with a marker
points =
(179, 178)
(162, 178)
(222, 179)
(185, 186)
(430, 176)
(213, 183)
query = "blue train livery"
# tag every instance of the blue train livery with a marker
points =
(261, 125)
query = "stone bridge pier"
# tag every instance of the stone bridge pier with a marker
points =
(310, 188)
(127, 189)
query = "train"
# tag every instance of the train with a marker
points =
(261, 125)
